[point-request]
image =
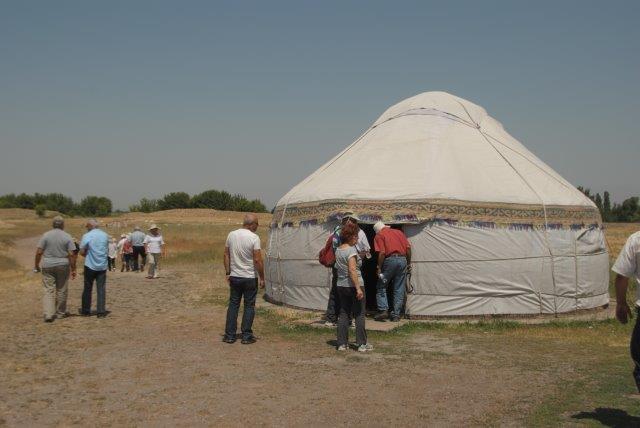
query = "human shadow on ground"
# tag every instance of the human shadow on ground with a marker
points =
(616, 418)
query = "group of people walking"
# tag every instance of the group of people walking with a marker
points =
(56, 257)
(138, 249)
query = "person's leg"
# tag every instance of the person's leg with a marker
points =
(381, 289)
(156, 261)
(129, 258)
(89, 276)
(235, 294)
(62, 286)
(346, 296)
(143, 258)
(49, 296)
(250, 293)
(359, 310)
(122, 259)
(333, 305)
(136, 254)
(635, 350)
(101, 286)
(152, 266)
(399, 284)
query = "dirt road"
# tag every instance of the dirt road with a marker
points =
(158, 359)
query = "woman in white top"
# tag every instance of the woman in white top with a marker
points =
(154, 247)
(113, 253)
(350, 289)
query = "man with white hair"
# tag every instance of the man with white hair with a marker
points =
(242, 260)
(94, 247)
(394, 260)
(137, 241)
(56, 258)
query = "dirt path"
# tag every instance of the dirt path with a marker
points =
(158, 360)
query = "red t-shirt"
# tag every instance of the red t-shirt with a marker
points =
(391, 241)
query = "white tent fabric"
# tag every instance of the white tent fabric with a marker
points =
(494, 230)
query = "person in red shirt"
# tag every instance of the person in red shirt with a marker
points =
(394, 261)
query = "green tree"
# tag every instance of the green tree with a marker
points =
(40, 210)
(606, 207)
(215, 199)
(175, 200)
(627, 211)
(59, 202)
(95, 206)
(598, 202)
(25, 201)
(145, 206)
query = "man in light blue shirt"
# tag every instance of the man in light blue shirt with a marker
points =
(94, 247)
(139, 254)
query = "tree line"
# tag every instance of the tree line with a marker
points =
(215, 199)
(100, 206)
(627, 211)
(90, 206)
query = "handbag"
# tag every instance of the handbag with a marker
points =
(326, 256)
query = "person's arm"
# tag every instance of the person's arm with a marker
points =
(72, 263)
(162, 249)
(257, 260)
(623, 312)
(39, 252)
(353, 275)
(409, 259)
(378, 244)
(227, 263)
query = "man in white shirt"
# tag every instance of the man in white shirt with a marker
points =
(628, 266)
(242, 258)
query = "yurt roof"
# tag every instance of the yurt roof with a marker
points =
(437, 156)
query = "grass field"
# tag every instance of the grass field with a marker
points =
(560, 373)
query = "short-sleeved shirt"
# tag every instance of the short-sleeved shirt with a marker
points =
(56, 245)
(113, 250)
(342, 266)
(137, 238)
(242, 243)
(628, 262)
(154, 243)
(96, 244)
(362, 245)
(391, 241)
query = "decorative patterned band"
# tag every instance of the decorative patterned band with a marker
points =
(478, 214)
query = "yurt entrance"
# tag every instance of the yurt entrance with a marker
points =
(369, 274)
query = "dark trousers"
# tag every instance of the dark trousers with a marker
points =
(112, 263)
(239, 288)
(100, 277)
(635, 349)
(138, 252)
(350, 305)
(333, 306)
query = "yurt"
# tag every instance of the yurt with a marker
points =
(493, 229)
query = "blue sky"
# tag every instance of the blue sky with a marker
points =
(139, 98)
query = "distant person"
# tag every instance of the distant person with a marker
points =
(394, 261)
(123, 239)
(56, 258)
(242, 258)
(628, 266)
(94, 247)
(154, 247)
(363, 248)
(113, 254)
(138, 256)
(350, 287)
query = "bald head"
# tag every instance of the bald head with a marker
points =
(250, 222)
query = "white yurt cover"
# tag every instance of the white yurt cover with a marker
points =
(494, 230)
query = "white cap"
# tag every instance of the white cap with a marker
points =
(379, 226)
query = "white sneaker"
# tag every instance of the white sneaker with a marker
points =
(342, 348)
(365, 348)
(329, 324)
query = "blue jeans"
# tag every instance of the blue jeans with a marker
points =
(239, 288)
(635, 349)
(394, 270)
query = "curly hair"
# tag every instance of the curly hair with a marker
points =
(348, 231)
